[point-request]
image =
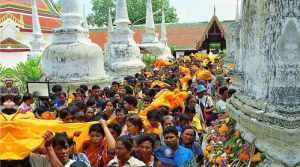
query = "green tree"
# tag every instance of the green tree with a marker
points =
(136, 11)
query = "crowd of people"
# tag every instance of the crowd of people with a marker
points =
(156, 118)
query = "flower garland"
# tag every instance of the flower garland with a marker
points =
(225, 147)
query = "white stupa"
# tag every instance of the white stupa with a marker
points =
(72, 57)
(124, 56)
(150, 40)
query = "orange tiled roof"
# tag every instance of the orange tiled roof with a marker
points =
(183, 36)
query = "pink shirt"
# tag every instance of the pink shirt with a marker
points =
(25, 108)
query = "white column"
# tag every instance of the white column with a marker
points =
(150, 35)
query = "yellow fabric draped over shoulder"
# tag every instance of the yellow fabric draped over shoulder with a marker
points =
(24, 134)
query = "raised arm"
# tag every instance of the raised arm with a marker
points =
(54, 161)
(109, 137)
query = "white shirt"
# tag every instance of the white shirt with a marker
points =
(132, 162)
(221, 106)
(206, 101)
(38, 160)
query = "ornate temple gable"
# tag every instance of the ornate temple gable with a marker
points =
(12, 45)
(19, 11)
(17, 19)
(213, 28)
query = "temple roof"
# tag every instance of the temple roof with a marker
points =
(20, 12)
(180, 35)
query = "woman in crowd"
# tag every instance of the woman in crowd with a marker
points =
(101, 141)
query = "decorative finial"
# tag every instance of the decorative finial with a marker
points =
(214, 7)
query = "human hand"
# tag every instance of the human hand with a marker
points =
(48, 136)
(103, 122)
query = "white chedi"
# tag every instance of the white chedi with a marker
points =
(72, 57)
(123, 54)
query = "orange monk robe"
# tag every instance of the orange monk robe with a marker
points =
(24, 134)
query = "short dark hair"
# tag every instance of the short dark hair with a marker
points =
(222, 90)
(96, 128)
(95, 87)
(184, 117)
(64, 113)
(146, 137)
(27, 96)
(91, 102)
(128, 90)
(136, 121)
(131, 100)
(231, 91)
(127, 142)
(171, 129)
(57, 88)
(154, 115)
(60, 139)
(115, 127)
(84, 87)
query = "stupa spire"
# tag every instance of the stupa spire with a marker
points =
(37, 41)
(150, 35)
(121, 13)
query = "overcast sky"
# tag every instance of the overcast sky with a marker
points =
(198, 10)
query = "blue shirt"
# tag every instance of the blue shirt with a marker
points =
(183, 156)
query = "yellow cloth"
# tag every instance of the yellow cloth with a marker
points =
(196, 122)
(160, 63)
(24, 134)
(204, 75)
(184, 70)
(184, 81)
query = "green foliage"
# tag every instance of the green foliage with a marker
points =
(136, 11)
(23, 72)
(149, 60)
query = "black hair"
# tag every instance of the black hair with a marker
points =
(105, 103)
(84, 87)
(170, 129)
(222, 90)
(78, 164)
(128, 90)
(116, 127)
(147, 137)
(91, 102)
(184, 117)
(96, 128)
(27, 96)
(95, 87)
(231, 91)
(154, 115)
(80, 90)
(57, 88)
(64, 113)
(189, 127)
(127, 142)
(131, 100)
(115, 83)
(136, 121)
(121, 109)
(62, 94)
(60, 139)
